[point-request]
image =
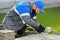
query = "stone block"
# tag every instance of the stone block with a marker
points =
(7, 35)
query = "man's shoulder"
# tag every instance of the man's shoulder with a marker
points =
(22, 7)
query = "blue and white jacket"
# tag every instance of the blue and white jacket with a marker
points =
(19, 15)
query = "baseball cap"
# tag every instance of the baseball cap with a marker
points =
(40, 5)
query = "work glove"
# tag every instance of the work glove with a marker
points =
(40, 29)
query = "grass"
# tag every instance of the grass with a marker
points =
(51, 18)
(2, 15)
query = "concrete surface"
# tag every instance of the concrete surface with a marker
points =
(41, 36)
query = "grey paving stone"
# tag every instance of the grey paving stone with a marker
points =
(41, 36)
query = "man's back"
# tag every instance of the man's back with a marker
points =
(13, 20)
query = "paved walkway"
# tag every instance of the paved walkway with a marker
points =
(41, 36)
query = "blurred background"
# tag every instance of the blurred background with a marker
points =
(51, 17)
(5, 5)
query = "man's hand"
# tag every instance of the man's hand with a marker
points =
(40, 29)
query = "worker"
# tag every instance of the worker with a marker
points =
(23, 14)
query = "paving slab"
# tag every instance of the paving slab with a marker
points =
(41, 36)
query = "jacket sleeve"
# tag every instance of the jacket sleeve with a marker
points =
(30, 21)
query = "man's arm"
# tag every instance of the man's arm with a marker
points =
(30, 21)
(33, 23)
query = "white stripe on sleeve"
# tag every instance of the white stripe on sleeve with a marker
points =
(34, 17)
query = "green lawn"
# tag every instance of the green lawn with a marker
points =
(2, 17)
(50, 18)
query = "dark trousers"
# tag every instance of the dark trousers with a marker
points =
(21, 32)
